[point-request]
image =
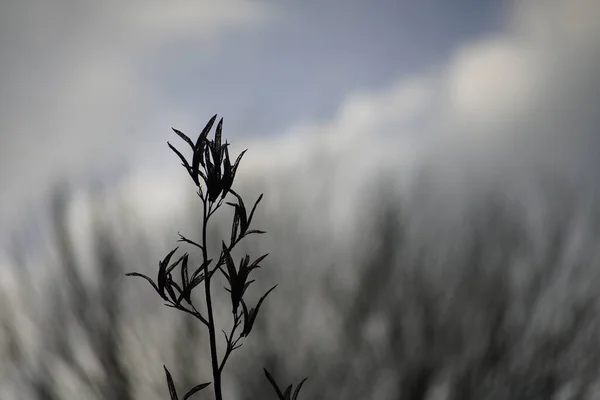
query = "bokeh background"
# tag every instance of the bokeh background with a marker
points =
(430, 172)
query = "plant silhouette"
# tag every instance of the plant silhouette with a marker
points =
(213, 174)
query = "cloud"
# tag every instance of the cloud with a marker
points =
(513, 103)
(524, 97)
(490, 80)
(503, 105)
(509, 107)
(75, 82)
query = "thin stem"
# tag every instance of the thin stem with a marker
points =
(194, 313)
(211, 321)
(231, 344)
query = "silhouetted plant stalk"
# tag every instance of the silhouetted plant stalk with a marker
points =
(213, 173)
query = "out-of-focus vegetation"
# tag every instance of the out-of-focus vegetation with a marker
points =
(498, 300)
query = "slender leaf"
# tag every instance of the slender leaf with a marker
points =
(287, 393)
(162, 275)
(295, 396)
(275, 387)
(237, 162)
(184, 137)
(242, 212)
(216, 148)
(198, 148)
(250, 232)
(254, 313)
(247, 285)
(172, 390)
(169, 286)
(257, 261)
(253, 209)
(146, 278)
(201, 268)
(176, 263)
(234, 227)
(184, 163)
(185, 279)
(195, 390)
(229, 262)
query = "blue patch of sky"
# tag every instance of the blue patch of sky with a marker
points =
(301, 67)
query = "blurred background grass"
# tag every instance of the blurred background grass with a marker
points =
(495, 297)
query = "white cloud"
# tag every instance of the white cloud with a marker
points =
(360, 124)
(497, 106)
(516, 100)
(524, 98)
(516, 103)
(489, 81)
(74, 85)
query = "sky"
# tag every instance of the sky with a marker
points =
(481, 88)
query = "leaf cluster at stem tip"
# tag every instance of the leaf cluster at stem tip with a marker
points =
(213, 174)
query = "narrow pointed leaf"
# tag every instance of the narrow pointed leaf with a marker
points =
(146, 278)
(263, 299)
(176, 263)
(249, 322)
(162, 275)
(287, 393)
(171, 384)
(272, 382)
(234, 228)
(247, 285)
(226, 163)
(174, 284)
(226, 275)
(254, 208)
(229, 262)
(207, 160)
(184, 137)
(227, 174)
(196, 281)
(245, 310)
(242, 212)
(197, 159)
(171, 292)
(207, 128)
(185, 279)
(257, 261)
(185, 163)
(193, 283)
(201, 269)
(203, 176)
(295, 396)
(217, 149)
(236, 164)
(250, 232)
(195, 390)
(244, 262)
(218, 132)
(168, 257)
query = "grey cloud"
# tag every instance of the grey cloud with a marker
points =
(74, 96)
(304, 72)
(512, 108)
